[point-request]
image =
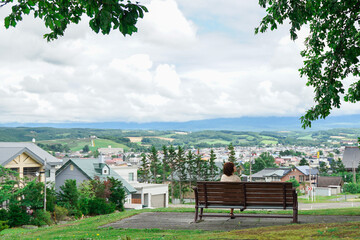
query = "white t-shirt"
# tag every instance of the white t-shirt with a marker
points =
(232, 178)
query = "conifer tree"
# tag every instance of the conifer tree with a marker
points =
(165, 165)
(154, 163)
(190, 166)
(232, 157)
(172, 167)
(213, 169)
(181, 170)
(199, 163)
(144, 169)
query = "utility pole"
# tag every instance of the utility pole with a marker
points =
(310, 192)
(45, 185)
(354, 173)
(250, 170)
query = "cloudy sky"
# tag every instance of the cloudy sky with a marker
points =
(190, 60)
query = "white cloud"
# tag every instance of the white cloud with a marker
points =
(166, 25)
(190, 60)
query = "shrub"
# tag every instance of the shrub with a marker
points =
(68, 196)
(352, 188)
(84, 205)
(294, 182)
(117, 195)
(32, 195)
(98, 206)
(4, 215)
(17, 216)
(75, 212)
(60, 213)
(50, 199)
(41, 218)
(3, 225)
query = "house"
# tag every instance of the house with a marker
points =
(327, 186)
(270, 175)
(147, 194)
(109, 151)
(302, 175)
(83, 169)
(351, 158)
(29, 160)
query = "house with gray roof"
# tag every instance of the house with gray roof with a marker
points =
(270, 175)
(29, 160)
(351, 158)
(83, 169)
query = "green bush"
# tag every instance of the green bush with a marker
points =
(352, 188)
(4, 215)
(41, 218)
(117, 195)
(75, 213)
(60, 213)
(84, 205)
(17, 216)
(3, 225)
(98, 206)
(294, 182)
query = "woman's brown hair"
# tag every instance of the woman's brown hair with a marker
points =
(228, 168)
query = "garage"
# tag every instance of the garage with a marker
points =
(158, 200)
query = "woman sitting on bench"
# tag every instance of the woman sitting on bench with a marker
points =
(229, 176)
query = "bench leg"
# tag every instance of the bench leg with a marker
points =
(295, 216)
(201, 213)
(196, 213)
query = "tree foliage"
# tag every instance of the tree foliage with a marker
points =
(265, 160)
(68, 195)
(144, 170)
(117, 193)
(58, 14)
(303, 162)
(8, 180)
(332, 48)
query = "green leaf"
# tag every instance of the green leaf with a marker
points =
(7, 22)
(31, 3)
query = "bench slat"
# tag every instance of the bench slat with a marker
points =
(245, 195)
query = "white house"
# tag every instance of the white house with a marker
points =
(147, 194)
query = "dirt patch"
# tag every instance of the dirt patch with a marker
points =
(135, 139)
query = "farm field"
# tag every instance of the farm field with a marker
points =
(78, 144)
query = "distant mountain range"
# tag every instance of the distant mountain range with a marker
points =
(234, 124)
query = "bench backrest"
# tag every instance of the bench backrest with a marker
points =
(247, 194)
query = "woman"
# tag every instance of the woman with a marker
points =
(228, 176)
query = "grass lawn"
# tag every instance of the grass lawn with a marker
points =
(319, 199)
(88, 229)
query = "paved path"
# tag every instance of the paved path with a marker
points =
(177, 221)
(309, 206)
(302, 206)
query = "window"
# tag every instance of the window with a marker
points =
(131, 177)
(105, 170)
(292, 177)
(31, 171)
(301, 178)
(71, 167)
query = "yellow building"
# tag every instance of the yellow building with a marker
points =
(28, 160)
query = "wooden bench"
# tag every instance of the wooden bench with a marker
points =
(245, 195)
